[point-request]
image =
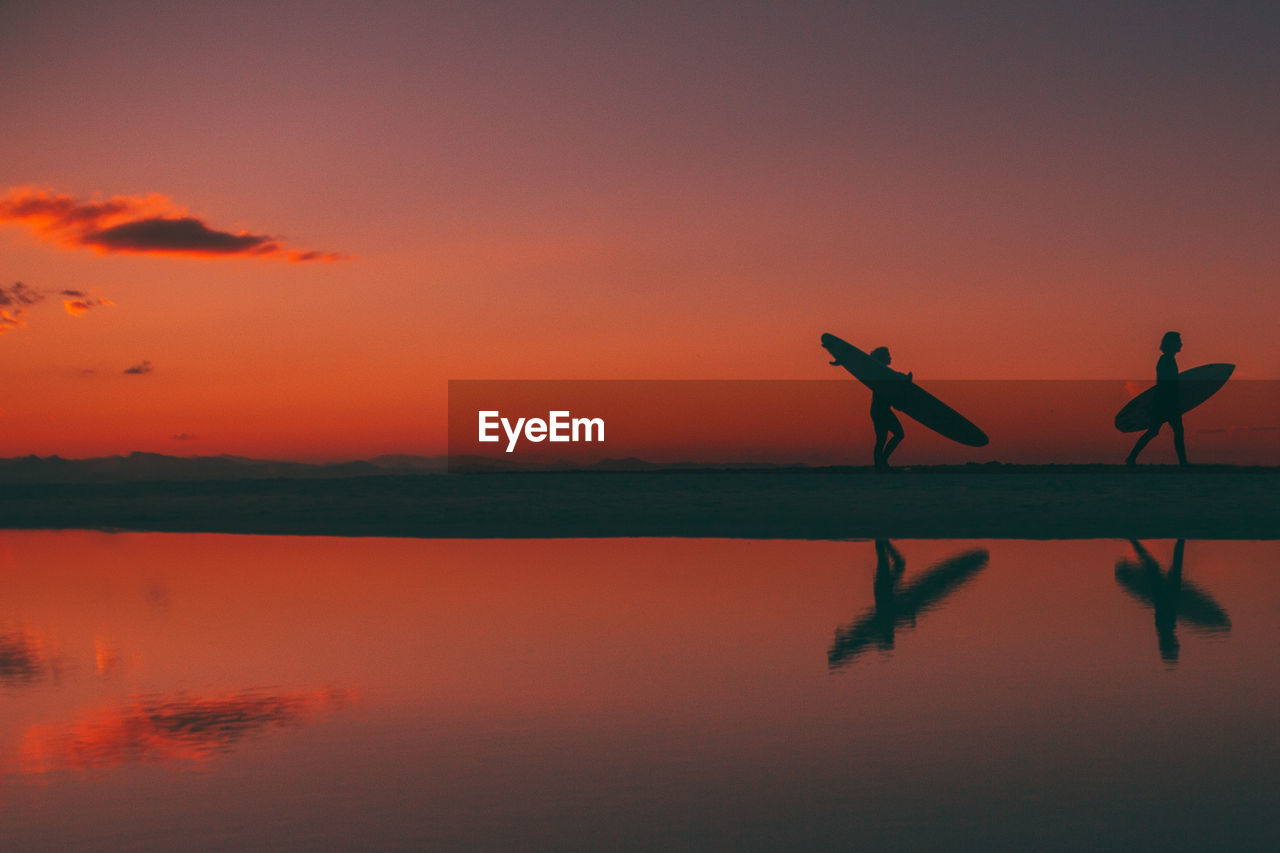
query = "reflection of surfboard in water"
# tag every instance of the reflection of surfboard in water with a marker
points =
(907, 397)
(906, 606)
(1194, 387)
(1189, 603)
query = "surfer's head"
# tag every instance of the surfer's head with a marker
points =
(1171, 342)
(881, 354)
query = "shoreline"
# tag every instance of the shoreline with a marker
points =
(1049, 502)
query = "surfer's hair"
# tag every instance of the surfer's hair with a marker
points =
(881, 354)
(1170, 340)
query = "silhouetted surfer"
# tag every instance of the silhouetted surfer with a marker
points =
(889, 432)
(1166, 407)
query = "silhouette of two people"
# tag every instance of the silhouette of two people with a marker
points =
(1166, 408)
(1166, 405)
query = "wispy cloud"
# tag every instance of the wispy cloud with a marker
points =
(138, 369)
(151, 225)
(19, 294)
(15, 299)
(10, 320)
(76, 302)
(327, 257)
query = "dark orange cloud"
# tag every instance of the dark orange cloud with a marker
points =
(76, 302)
(19, 294)
(10, 298)
(326, 257)
(10, 320)
(151, 225)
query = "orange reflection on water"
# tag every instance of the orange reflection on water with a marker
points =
(594, 692)
(106, 658)
(192, 728)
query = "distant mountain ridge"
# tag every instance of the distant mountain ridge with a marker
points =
(139, 467)
(150, 467)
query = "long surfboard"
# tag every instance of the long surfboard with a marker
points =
(1194, 387)
(907, 397)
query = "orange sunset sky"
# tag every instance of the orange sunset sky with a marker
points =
(279, 231)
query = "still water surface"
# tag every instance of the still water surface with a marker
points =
(165, 691)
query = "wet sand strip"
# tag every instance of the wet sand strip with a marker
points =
(1043, 503)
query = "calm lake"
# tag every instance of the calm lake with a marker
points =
(175, 691)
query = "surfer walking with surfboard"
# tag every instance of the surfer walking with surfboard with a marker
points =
(1166, 408)
(893, 390)
(889, 432)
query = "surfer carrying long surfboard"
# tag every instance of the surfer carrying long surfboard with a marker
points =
(1166, 408)
(893, 390)
(889, 432)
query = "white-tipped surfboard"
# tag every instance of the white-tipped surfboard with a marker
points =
(1195, 385)
(907, 397)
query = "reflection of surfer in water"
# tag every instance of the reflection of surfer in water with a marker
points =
(899, 606)
(1165, 590)
(1166, 407)
(889, 569)
(889, 432)
(1171, 598)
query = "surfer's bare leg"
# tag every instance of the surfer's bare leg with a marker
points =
(893, 427)
(888, 433)
(1143, 441)
(895, 438)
